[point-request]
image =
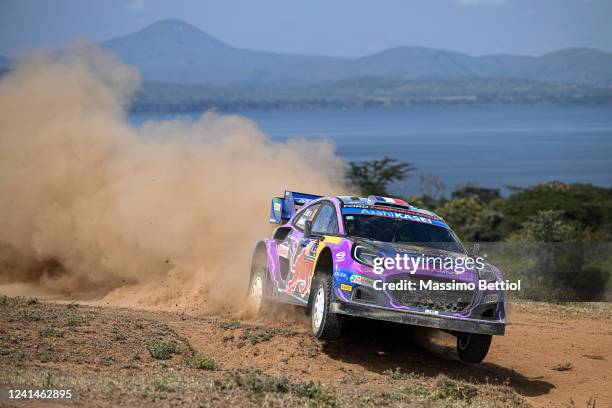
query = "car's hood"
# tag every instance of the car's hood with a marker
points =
(391, 250)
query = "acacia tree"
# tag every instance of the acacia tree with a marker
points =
(373, 176)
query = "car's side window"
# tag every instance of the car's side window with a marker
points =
(325, 223)
(307, 215)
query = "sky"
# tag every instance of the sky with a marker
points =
(327, 27)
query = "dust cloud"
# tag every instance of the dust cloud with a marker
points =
(163, 215)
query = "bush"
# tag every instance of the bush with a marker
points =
(472, 220)
(203, 362)
(162, 350)
(547, 226)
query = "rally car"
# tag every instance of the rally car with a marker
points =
(323, 256)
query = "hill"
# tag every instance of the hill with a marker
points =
(177, 52)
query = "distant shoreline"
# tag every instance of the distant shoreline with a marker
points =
(365, 93)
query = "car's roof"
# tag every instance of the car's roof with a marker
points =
(385, 202)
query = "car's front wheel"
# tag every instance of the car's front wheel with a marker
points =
(256, 301)
(324, 324)
(472, 347)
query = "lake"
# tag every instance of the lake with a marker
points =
(491, 146)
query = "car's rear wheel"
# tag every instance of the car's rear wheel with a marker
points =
(472, 347)
(324, 324)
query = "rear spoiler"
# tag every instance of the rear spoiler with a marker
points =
(283, 209)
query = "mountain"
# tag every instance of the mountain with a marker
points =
(177, 52)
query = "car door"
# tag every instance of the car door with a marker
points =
(295, 247)
(323, 223)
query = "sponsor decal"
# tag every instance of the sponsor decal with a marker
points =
(405, 211)
(346, 287)
(312, 252)
(283, 250)
(299, 269)
(393, 209)
(394, 214)
(340, 256)
(361, 280)
(355, 206)
(340, 274)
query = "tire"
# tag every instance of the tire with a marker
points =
(258, 288)
(473, 348)
(324, 324)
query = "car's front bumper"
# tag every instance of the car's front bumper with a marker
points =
(442, 322)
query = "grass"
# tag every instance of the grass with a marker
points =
(160, 384)
(257, 382)
(28, 315)
(255, 337)
(47, 379)
(231, 325)
(46, 332)
(44, 358)
(74, 321)
(397, 374)
(448, 389)
(119, 335)
(162, 349)
(562, 366)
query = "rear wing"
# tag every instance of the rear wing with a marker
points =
(284, 208)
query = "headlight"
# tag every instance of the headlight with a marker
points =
(364, 255)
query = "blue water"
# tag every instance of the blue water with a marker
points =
(490, 146)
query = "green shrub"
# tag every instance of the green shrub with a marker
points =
(162, 350)
(562, 366)
(202, 362)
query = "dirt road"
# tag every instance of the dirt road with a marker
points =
(551, 356)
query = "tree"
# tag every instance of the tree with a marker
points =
(431, 186)
(484, 194)
(373, 177)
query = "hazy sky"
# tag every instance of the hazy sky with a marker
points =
(332, 27)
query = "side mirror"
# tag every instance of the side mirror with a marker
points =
(307, 229)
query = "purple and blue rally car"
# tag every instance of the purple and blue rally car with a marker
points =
(324, 254)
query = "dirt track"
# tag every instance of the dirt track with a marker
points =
(103, 352)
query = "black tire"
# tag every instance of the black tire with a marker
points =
(472, 347)
(324, 324)
(257, 303)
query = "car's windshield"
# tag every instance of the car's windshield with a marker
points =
(387, 229)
